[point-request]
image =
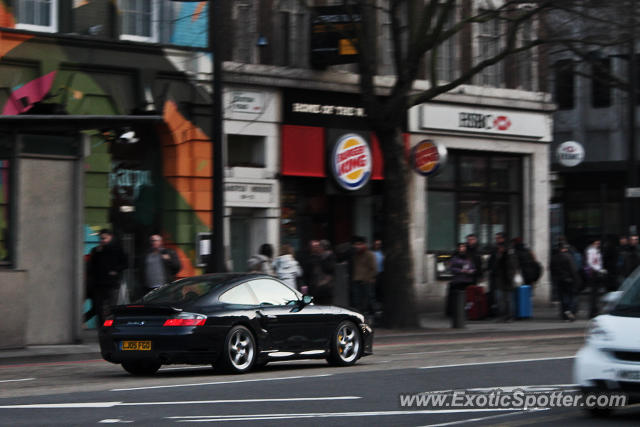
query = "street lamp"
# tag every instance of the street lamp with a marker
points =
(216, 261)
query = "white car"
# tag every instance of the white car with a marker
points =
(610, 359)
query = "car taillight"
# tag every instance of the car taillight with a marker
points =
(108, 322)
(186, 319)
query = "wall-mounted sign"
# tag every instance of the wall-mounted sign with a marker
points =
(326, 109)
(428, 158)
(570, 153)
(246, 102)
(351, 162)
(250, 193)
(478, 120)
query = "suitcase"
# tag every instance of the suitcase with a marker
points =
(476, 303)
(523, 301)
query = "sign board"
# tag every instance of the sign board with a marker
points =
(246, 102)
(428, 157)
(480, 120)
(351, 162)
(250, 193)
(570, 153)
(632, 192)
(203, 249)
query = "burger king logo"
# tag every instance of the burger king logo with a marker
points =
(351, 162)
(427, 157)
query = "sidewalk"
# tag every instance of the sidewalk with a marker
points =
(432, 324)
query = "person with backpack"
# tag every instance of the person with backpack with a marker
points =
(530, 268)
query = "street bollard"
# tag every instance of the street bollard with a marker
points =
(458, 315)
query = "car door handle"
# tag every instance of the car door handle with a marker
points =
(266, 316)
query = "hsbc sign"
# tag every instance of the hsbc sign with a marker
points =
(495, 123)
(483, 121)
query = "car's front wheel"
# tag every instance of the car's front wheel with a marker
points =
(346, 344)
(240, 351)
(141, 367)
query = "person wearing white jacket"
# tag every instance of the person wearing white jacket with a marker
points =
(286, 267)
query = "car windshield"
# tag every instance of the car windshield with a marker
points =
(629, 302)
(182, 291)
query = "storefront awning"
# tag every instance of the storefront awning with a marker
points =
(304, 152)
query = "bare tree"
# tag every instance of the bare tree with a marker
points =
(419, 29)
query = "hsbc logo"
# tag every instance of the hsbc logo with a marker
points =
(484, 121)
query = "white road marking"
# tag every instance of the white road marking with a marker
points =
(449, 351)
(81, 405)
(63, 405)
(114, 421)
(21, 379)
(223, 382)
(263, 417)
(497, 362)
(475, 420)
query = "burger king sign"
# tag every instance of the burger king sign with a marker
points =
(351, 162)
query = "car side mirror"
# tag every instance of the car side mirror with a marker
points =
(307, 299)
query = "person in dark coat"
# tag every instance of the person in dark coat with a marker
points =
(475, 255)
(502, 269)
(566, 278)
(463, 269)
(106, 263)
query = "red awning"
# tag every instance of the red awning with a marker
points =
(303, 151)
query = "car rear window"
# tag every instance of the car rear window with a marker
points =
(181, 292)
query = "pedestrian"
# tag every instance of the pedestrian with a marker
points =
(161, 264)
(379, 254)
(262, 262)
(363, 276)
(286, 267)
(530, 268)
(595, 274)
(473, 251)
(566, 278)
(324, 287)
(502, 268)
(464, 272)
(632, 255)
(106, 263)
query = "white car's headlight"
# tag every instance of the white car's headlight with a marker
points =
(597, 332)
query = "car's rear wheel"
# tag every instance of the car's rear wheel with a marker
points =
(141, 367)
(346, 344)
(240, 351)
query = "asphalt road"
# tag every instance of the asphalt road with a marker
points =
(87, 392)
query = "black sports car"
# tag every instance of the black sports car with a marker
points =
(234, 321)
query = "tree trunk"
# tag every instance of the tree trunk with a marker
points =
(399, 295)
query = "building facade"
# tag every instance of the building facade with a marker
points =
(106, 122)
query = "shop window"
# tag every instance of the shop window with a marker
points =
(37, 15)
(505, 173)
(600, 86)
(564, 79)
(441, 225)
(246, 151)
(138, 20)
(479, 194)
(473, 171)
(5, 199)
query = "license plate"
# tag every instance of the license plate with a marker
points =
(629, 375)
(135, 345)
